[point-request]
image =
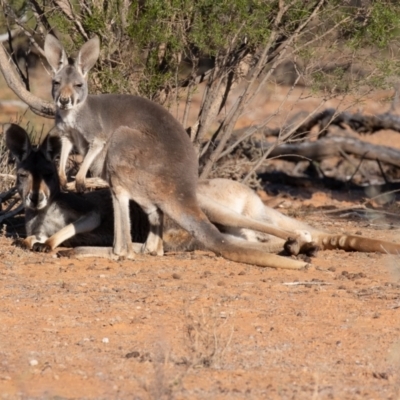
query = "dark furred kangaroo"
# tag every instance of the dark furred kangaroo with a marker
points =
(54, 217)
(47, 210)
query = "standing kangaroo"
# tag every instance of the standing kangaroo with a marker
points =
(54, 217)
(146, 156)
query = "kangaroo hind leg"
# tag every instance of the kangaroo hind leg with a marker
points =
(154, 243)
(189, 216)
(122, 233)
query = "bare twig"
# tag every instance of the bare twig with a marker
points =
(11, 213)
(305, 283)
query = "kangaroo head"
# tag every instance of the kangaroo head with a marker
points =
(37, 178)
(69, 87)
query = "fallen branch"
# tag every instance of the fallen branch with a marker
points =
(91, 183)
(367, 124)
(305, 283)
(11, 213)
(333, 147)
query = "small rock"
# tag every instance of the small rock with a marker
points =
(105, 340)
(132, 354)
(32, 363)
(176, 276)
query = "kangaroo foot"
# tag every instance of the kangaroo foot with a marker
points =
(41, 247)
(80, 185)
(152, 251)
(295, 246)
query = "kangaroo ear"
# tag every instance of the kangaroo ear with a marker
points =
(55, 53)
(17, 141)
(88, 55)
(51, 146)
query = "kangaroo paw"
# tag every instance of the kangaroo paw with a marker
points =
(80, 185)
(41, 247)
(310, 249)
(292, 246)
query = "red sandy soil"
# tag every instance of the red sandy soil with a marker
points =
(195, 326)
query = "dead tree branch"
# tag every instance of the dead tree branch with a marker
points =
(334, 146)
(365, 124)
(36, 104)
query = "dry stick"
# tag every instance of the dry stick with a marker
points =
(276, 144)
(91, 183)
(189, 97)
(37, 105)
(188, 105)
(12, 213)
(382, 171)
(11, 205)
(358, 165)
(67, 10)
(8, 194)
(40, 17)
(253, 129)
(247, 96)
(294, 36)
(235, 112)
(199, 127)
(227, 126)
(28, 34)
(331, 146)
(305, 283)
(25, 79)
(384, 194)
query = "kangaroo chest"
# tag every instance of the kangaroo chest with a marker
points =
(47, 222)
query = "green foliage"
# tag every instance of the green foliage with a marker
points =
(377, 26)
(145, 42)
(384, 68)
(176, 29)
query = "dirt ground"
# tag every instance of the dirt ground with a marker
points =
(195, 326)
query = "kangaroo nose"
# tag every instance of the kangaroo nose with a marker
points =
(36, 198)
(64, 100)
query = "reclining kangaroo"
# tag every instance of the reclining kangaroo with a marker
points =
(54, 217)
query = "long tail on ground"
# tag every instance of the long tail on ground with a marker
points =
(356, 243)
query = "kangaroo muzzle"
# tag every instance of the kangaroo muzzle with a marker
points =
(65, 103)
(36, 200)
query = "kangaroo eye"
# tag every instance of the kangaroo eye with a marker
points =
(22, 175)
(56, 83)
(78, 84)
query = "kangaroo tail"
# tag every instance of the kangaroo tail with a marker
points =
(357, 243)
